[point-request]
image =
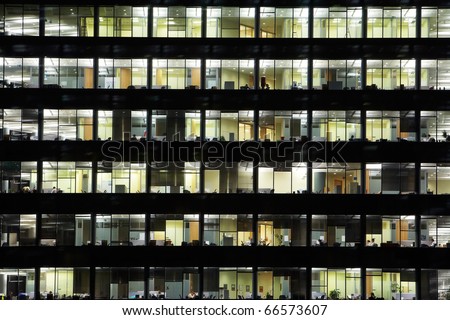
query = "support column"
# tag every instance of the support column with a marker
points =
(418, 21)
(255, 229)
(200, 282)
(146, 286)
(41, 69)
(364, 23)
(37, 241)
(149, 73)
(149, 25)
(308, 283)
(363, 284)
(204, 22)
(94, 177)
(95, 125)
(418, 238)
(363, 186)
(417, 124)
(311, 23)
(96, 72)
(203, 77)
(363, 75)
(41, 21)
(92, 283)
(308, 229)
(255, 283)
(37, 289)
(257, 21)
(418, 74)
(417, 178)
(363, 230)
(93, 231)
(96, 22)
(363, 125)
(418, 284)
(39, 178)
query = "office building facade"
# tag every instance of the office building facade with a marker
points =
(224, 150)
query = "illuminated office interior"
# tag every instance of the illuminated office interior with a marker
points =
(216, 150)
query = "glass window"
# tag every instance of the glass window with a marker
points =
(122, 124)
(230, 74)
(335, 231)
(434, 178)
(435, 231)
(390, 178)
(435, 284)
(174, 230)
(19, 20)
(336, 284)
(120, 229)
(175, 125)
(83, 227)
(58, 230)
(390, 126)
(336, 178)
(396, 284)
(284, 230)
(228, 283)
(19, 72)
(173, 283)
(283, 74)
(338, 22)
(18, 177)
(391, 74)
(18, 124)
(68, 124)
(119, 283)
(435, 74)
(176, 74)
(69, 21)
(434, 22)
(284, 22)
(336, 125)
(230, 22)
(66, 177)
(121, 177)
(229, 125)
(177, 22)
(289, 177)
(282, 283)
(391, 231)
(122, 73)
(123, 21)
(69, 73)
(228, 230)
(175, 177)
(17, 230)
(228, 177)
(391, 22)
(336, 74)
(434, 126)
(18, 284)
